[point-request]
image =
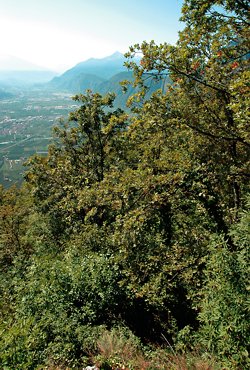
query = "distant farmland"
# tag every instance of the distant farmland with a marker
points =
(26, 121)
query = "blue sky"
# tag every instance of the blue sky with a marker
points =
(57, 34)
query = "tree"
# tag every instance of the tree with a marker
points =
(208, 67)
(15, 211)
(85, 149)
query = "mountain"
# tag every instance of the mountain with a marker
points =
(12, 63)
(101, 75)
(16, 78)
(104, 67)
(16, 71)
(76, 83)
(90, 73)
(113, 85)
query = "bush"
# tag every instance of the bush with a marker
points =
(60, 308)
(225, 305)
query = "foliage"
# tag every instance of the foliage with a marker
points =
(78, 161)
(208, 67)
(15, 210)
(137, 220)
(225, 304)
(56, 302)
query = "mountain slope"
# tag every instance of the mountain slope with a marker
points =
(76, 83)
(104, 67)
(96, 69)
(101, 75)
(113, 85)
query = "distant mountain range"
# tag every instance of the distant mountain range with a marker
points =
(16, 71)
(12, 63)
(99, 75)
(20, 78)
(90, 74)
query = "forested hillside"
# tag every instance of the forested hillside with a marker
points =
(127, 246)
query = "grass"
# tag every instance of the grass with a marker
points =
(119, 349)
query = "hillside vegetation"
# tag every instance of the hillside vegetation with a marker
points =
(127, 246)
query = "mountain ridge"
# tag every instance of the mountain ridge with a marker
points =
(13, 63)
(100, 75)
(103, 68)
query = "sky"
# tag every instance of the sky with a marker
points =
(57, 34)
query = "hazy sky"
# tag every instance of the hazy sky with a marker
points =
(57, 34)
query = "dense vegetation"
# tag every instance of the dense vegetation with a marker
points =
(128, 245)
